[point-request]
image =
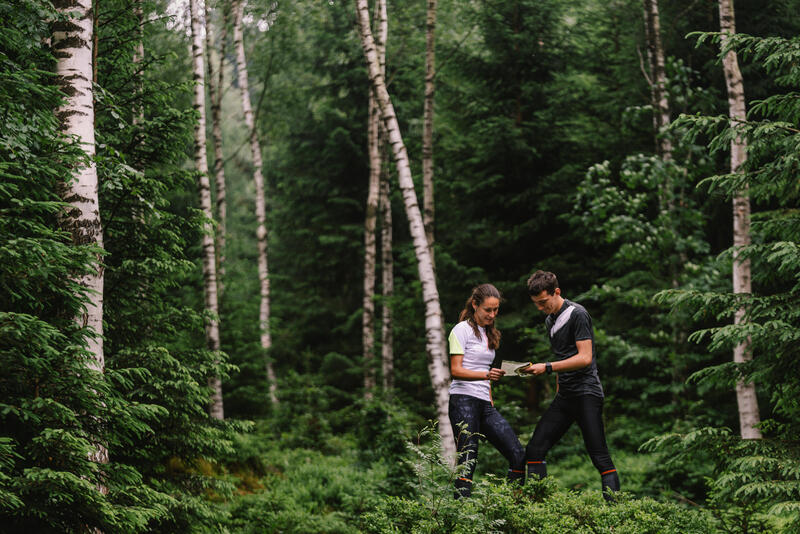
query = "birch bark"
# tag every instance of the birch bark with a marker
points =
(368, 305)
(72, 45)
(427, 124)
(261, 211)
(370, 222)
(387, 272)
(658, 82)
(215, 96)
(196, 11)
(138, 60)
(385, 203)
(435, 339)
(749, 416)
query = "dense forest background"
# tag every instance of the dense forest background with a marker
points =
(545, 157)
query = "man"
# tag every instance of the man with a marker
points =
(579, 394)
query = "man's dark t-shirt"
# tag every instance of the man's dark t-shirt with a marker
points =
(570, 324)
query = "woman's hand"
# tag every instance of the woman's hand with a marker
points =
(495, 374)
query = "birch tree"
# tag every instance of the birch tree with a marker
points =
(370, 222)
(385, 206)
(204, 189)
(658, 79)
(258, 180)
(435, 339)
(72, 44)
(427, 123)
(749, 416)
(387, 272)
(215, 90)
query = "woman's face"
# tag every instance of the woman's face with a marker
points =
(486, 311)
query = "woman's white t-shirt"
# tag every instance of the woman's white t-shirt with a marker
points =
(477, 357)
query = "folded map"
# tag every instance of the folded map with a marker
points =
(514, 368)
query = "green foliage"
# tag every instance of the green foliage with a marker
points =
(754, 481)
(541, 506)
(302, 490)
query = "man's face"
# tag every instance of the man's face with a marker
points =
(547, 303)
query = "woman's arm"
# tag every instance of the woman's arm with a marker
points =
(458, 371)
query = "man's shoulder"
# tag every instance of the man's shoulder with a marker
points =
(579, 309)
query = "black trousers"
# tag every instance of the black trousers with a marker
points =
(480, 417)
(587, 411)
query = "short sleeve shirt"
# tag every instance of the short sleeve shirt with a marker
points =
(570, 324)
(477, 357)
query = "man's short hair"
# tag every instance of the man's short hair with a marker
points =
(542, 281)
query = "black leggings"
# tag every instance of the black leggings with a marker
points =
(480, 417)
(587, 411)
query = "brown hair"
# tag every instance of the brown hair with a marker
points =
(542, 281)
(479, 294)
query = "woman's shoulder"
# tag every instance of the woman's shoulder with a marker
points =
(460, 326)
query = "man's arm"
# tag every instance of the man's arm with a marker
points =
(579, 361)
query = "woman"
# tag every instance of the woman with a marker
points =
(472, 345)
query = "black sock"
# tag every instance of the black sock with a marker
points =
(537, 468)
(610, 484)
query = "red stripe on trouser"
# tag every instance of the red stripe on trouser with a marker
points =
(609, 471)
(464, 479)
(536, 462)
(516, 471)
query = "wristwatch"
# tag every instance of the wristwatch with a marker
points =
(548, 368)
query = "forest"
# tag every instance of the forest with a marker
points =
(235, 237)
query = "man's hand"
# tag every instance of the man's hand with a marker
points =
(535, 369)
(495, 374)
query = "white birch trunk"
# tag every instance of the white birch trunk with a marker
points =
(261, 212)
(370, 223)
(215, 93)
(435, 339)
(387, 271)
(204, 188)
(658, 85)
(72, 45)
(368, 304)
(138, 59)
(427, 124)
(749, 416)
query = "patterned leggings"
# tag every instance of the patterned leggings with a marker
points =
(478, 416)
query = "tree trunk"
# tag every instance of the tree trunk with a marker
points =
(370, 223)
(368, 317)
(215, 93)
(749, 417)
(72, 45)
(204, 188)
(658, 80)
(427, 125)
(387, 270)
(138, 60)
(261, 211)
(435, 339)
